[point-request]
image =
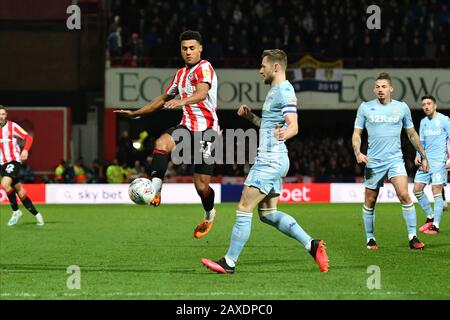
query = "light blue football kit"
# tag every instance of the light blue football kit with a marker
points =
(384, 124)
(271, 165)
(272, 161)
(434, 134)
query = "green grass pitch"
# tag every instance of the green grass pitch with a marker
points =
(137, 252)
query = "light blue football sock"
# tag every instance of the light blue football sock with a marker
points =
(239, 235)
(286, 224)
(409, 213)
(438, 207)
(424, 204)
(369, 222)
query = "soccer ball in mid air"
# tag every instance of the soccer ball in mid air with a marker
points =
(141, 191)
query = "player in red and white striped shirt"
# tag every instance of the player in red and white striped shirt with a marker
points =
(196, 84)
(11, 157)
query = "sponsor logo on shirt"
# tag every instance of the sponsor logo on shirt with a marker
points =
(431, 132)
(383, 119)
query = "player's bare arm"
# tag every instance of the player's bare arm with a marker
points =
(24, 155)
(150, 107)
(244, 111)
(286, 133)
(356, 143)
(200, 94)
(415, 141)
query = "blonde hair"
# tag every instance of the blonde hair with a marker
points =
(384, 76)
(276, 56)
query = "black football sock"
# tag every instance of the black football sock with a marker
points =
(208, 200)
(159, 163)
(29, 205)
(12, 199)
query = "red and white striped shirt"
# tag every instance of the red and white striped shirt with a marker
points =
(9, 146)
(202, 115)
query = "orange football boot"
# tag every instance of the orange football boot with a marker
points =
(157, 200)
(319, 253)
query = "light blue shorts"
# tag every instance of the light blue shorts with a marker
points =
(267, 172)
(375, 173)
(437, 175)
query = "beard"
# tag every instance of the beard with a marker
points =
(268, 79)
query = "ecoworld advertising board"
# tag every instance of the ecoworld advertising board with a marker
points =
(133, 88)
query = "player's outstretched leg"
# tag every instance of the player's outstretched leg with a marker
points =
(159, 166)
(289, 226)
(17, 214)
(369, 222)
(164, 145)
(210, 213)
(239, 237)
(426, 207)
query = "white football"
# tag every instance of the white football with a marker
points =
(141, 191)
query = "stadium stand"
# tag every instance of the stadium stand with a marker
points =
(414, 33)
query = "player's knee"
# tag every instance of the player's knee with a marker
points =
(404, 197)
(164, 144)
(370, 201)
(6, 185)
(436, 189)
(202, 188)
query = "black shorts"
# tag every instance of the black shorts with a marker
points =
(200, 149)
(11, 169)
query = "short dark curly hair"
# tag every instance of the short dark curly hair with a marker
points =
(191, 35)
(429, 97)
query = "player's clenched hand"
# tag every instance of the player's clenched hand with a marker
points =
(280, 133)
(125, 113)
(171, 104)
(24, 155)
(244, 111)
(417, 161)
(362, 158)
(425, 166)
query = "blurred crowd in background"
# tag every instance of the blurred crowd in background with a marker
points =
(312, 160)
(145, 32)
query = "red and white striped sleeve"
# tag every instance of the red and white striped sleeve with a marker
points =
(172, 89)
(18, 131)
(204, 73)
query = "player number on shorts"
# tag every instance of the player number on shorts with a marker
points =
(206, 148)
(9, 168)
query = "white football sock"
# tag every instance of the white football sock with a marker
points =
(39, 217)
(157, 183)
(210, 215)
(308, 245)
(230, 262)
